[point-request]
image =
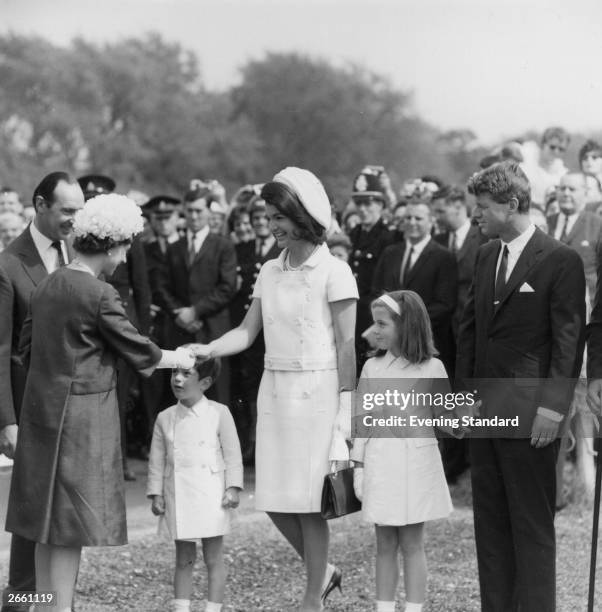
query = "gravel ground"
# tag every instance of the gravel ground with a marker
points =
(266, 576)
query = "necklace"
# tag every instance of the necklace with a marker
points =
(287, 260)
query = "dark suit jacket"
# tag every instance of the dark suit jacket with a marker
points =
(585, 237)
(21, 270)
(130, 279)
(208, 285)
(434, 278)
(465, 258)
(532, 341)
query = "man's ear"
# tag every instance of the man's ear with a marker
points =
(39, 202)
(513, 204)
(206, 382)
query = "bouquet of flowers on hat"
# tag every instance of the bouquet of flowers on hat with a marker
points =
(417, 189)
(109, 216)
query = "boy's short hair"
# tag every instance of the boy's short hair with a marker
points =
(502, 182)
(556, 132)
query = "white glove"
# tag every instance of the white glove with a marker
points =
(342, 422)
(358, 482)
(180, 358)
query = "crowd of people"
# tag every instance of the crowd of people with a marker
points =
(265, 308)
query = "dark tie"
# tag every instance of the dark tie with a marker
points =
(564, 236)
(260, 245)
(406, 267)
(191, 250)
(454, 242)
(500, 281)
(57, 246)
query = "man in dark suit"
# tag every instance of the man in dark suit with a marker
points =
(368, 240)
(196, 283)
(249, 364)
(424, 266)
(460, 236)
(39, 250)
(521, 342)
(576, 226)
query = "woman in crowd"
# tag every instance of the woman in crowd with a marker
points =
(67, 487)
(305, 300)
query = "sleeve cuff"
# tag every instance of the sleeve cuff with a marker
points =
(550, 414)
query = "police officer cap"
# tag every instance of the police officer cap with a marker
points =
(96, 184)
(368, 183)
(161, 205)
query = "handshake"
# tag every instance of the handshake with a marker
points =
(184, 357)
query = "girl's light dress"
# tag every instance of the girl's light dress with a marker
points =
(404, 481)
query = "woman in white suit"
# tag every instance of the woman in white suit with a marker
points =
(305, 300)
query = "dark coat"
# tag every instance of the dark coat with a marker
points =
(434, 278)
(21, 270)
(367, 247)
(131, 281)
(465, 257)
(585, 237)
(67, 485)
(537, 335)
(209, 285)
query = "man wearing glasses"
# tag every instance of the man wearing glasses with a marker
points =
(544, 175)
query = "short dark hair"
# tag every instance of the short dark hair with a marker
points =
(199, 192)
(502, 182)
(286, 201)
(555, 132)
(413, 325)
(589, 146)
(240, 210)
(47, 185)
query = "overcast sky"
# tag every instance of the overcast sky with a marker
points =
(496, 66)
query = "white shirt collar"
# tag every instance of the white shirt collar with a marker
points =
(312, 261)
(517, 245)
(195, 409)
(462, 232)
(82, 267)
(419, 246)
(198, 236)
(43, 243)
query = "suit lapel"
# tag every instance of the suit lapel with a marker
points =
(578, 227)
(552, 223)
(528, 258)
(30, 258)
(489, 265)
(419, 263)
(208, 243)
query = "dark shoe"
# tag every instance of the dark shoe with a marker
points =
(129, 475)
(334, 583)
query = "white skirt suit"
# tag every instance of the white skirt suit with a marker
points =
(299, 392)
(195, 455)
(404, 481)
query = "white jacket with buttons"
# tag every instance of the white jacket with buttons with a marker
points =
(195, 455)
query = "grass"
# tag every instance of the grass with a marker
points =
(266, 576)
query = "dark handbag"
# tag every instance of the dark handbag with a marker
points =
(338, 496)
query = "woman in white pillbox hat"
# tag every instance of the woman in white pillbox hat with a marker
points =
(305, 300)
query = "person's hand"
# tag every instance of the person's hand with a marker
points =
(231, 498)
(185, 358)
(194, 327)
(8, 440)
(201, 350)
(158, 505)
(342, 422)
(358, 482)
(594, 395)
(185, 316)
(544, 431)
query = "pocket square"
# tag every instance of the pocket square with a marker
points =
(526, 288)
(585, 243)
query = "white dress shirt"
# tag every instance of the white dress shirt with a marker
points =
(265, 245)
(417, 251)
(459, 236)
(48, 253)
(198, 238)
(515, 248)
(568, 220)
